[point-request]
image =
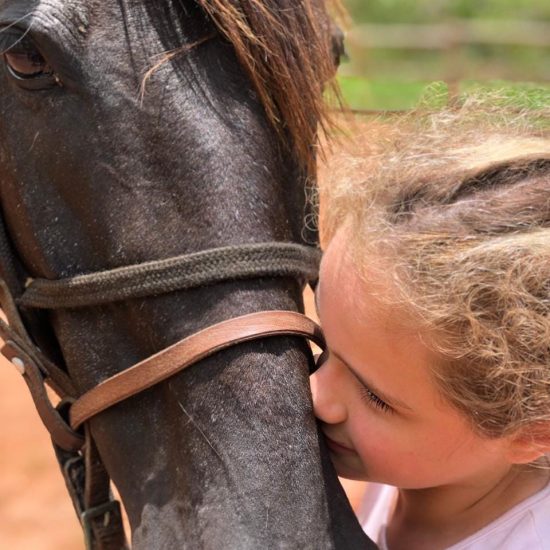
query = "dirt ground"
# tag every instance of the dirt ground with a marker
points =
(35, 511)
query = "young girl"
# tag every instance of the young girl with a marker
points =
(434, 296)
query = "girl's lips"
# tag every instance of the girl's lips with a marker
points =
(337, 447)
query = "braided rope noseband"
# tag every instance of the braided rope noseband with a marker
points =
(177, 273)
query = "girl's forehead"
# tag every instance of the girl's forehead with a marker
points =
(364, 292)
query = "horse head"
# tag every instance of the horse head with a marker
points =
(135, 131)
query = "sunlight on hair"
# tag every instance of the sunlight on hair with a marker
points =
(456, 200)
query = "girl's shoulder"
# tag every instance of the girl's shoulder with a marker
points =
(525, 526)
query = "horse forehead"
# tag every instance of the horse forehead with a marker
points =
(71, 14)
(83, 24)
(72, 20)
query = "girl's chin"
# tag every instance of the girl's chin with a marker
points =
(348, 471)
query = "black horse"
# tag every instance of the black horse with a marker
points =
(133, 130)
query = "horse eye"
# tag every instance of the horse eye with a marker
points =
(27, 64)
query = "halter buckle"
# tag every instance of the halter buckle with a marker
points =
(109, 511)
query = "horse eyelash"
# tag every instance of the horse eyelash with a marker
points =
(374, 401)
(6, 37)
(17, 21)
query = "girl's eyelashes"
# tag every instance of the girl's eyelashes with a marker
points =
(374, 401)
(366, 393)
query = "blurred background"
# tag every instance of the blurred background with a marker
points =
(397, 47)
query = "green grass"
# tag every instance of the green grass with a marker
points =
(362, 93)
(385, 94)
(527, 95)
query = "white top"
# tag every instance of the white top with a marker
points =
(526, 526)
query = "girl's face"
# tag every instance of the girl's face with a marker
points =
(380, 409)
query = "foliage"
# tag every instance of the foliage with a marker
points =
(431, 11)
(385, 94)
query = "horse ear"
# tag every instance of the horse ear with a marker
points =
(338, 44)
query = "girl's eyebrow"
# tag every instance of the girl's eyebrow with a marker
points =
(392, 401)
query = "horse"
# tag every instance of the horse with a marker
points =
(135, 131)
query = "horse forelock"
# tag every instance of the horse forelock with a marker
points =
(286, 49)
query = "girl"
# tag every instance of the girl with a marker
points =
(434, 296)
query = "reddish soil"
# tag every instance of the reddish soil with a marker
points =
(35, 511)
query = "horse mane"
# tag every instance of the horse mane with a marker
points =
(286, 48)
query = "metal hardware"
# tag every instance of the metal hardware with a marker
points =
(109, 511)
(18, 363)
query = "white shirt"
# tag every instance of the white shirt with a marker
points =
(526, 526)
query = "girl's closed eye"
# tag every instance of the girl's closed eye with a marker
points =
(374, 401)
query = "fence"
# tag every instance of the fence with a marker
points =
(452, 34)
(451, 51)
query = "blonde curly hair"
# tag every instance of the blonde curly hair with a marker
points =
(458, 204)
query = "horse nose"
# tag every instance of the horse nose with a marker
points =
(339, 52)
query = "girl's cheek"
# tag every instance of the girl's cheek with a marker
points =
(366, 435)
(374, 437)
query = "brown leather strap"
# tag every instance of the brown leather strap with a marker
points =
(188, 351)
(60, 431)
(16, 331)
(89, 487)
(101, 518)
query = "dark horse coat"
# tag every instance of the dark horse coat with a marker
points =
(134, 130)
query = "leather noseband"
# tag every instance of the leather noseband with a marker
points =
(189, 351)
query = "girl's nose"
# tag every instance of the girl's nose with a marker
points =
(328, 403)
